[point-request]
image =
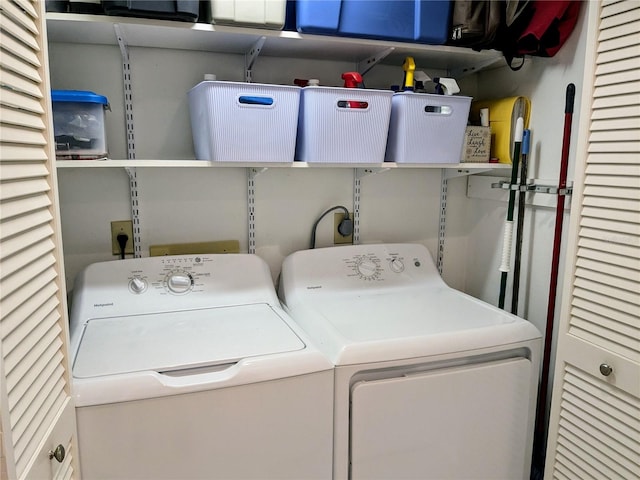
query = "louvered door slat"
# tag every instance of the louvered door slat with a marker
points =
(39, 238)
(9, 210)
(615, 135)
(20, 309)
(24, 171)
(617, 20)
(595, 419)
(26, 153)
(42, 389)
(607, 268)
(18, 49)
(46, 414)
(11, 134)
(618, 42)
(622, 283)
(619, 66)
(24, 223)
(23, 102)
(619, 31)
(605, 312)
(11, 283)
(21, 119)
(619, 112)
(21, 17)
(608, 226)
(595, 167)
(617, 9)
(20, 84)
(17, 335)
(620, 181)
(610, 90)
(8, 24)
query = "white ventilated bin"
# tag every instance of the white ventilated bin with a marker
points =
(343, 125)
(255, 13)
(244, 122)
(427, 128)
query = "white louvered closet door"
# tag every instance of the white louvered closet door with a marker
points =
(37, 412)
(595, 417)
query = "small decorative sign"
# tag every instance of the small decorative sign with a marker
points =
(477, 144)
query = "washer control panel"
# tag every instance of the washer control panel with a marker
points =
(170, 283)
(171, 275)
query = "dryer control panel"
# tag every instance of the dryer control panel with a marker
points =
(359, 267)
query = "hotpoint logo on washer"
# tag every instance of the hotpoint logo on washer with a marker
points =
(103, 304)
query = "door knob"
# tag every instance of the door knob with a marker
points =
(58, 453)
(606, 370)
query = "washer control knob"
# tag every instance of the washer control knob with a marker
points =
(137, 285)
(367, 268)
(396, 265)
(179, 283)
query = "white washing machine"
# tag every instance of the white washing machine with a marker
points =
(187, 367)
(431, 383)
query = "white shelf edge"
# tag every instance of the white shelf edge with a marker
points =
(204, 163)
(143, 32)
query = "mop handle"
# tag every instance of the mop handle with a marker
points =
(508, 225)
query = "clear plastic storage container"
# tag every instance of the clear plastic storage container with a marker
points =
(78, 124)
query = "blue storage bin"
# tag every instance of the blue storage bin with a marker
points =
(420, 21)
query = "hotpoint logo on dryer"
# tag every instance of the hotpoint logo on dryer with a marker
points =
(103, 304)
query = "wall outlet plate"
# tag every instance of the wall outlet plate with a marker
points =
(118, 227)
(337, 238)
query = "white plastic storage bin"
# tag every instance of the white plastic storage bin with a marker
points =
(244, 122)
(427, 128)
(343, 125)
(257, 13)
(78, 124)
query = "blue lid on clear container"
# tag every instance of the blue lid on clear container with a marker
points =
(78, 96)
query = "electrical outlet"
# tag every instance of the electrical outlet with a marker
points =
(337, 238)
(118, 227)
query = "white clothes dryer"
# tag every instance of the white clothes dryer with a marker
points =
(187, 367)
(431, 383)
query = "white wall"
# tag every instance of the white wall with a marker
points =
(207, 204)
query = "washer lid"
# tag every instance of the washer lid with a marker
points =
(180, 340)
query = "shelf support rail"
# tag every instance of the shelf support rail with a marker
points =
(444, 178)
(250, 57)
(252, 173)
(131, 144)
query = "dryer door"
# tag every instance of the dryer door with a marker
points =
(473, 421)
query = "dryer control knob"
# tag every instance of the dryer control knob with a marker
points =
(179, 283)
(137, 285)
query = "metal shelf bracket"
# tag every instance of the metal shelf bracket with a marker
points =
(365, 172)
(448, 173)
(471, 69)
(251, 56)
(367, 64)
